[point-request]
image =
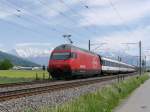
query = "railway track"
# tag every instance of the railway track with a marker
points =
(24, 83)
(8, 95)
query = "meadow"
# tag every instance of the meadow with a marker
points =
(13, 76)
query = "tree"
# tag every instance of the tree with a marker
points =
(5, 64)
(43, 67)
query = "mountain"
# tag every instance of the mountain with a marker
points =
(42, 60)
(36, 55)
(16, 60)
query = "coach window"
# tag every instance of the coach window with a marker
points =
(104, 62)
(111, 64)
(107, 64)
(121, 65)
(116, 64)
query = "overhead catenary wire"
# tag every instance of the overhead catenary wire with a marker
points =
(38, 17)
(66, 16)
(63, 15)
(22, 26)
(89, 8)
(117, 13)
(20, 10)
(76, 13)
(120, 16)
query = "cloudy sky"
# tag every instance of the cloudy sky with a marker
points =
(41, 24)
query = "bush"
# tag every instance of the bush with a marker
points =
(5, 64)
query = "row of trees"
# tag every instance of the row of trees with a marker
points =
(5, 64)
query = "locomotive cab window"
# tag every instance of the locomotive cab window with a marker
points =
(60, 56)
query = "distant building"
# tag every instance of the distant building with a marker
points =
(26, 68)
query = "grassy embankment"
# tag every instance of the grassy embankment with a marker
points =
(12, 76)
(104, 100)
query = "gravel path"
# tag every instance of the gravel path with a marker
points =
(49, 99)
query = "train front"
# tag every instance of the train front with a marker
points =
(59, 63)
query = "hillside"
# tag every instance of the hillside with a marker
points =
(16, 60)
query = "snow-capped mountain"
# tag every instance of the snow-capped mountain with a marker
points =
(31, 52)
(40, 56)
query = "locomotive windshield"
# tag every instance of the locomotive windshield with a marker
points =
(60, 56)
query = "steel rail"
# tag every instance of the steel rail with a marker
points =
(4, 96)
(25, 83)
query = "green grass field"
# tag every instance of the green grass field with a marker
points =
(12, 76)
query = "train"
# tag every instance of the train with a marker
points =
(68, 61)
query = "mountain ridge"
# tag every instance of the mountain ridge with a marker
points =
(17, 61)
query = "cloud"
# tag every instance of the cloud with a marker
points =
(34, 11)
(115, 41)
(99, 13)
(97, 3)
(6, 12)
(33, 44)
(2, 48)
(106, 15)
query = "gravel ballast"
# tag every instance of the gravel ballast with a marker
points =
(49, 99)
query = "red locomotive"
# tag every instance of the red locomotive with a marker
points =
(68, 61)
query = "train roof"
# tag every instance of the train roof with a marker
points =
(72, 47)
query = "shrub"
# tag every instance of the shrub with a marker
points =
(5, 64)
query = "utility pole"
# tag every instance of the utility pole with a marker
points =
(145, 64)
(140, 55)
(89, 45)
